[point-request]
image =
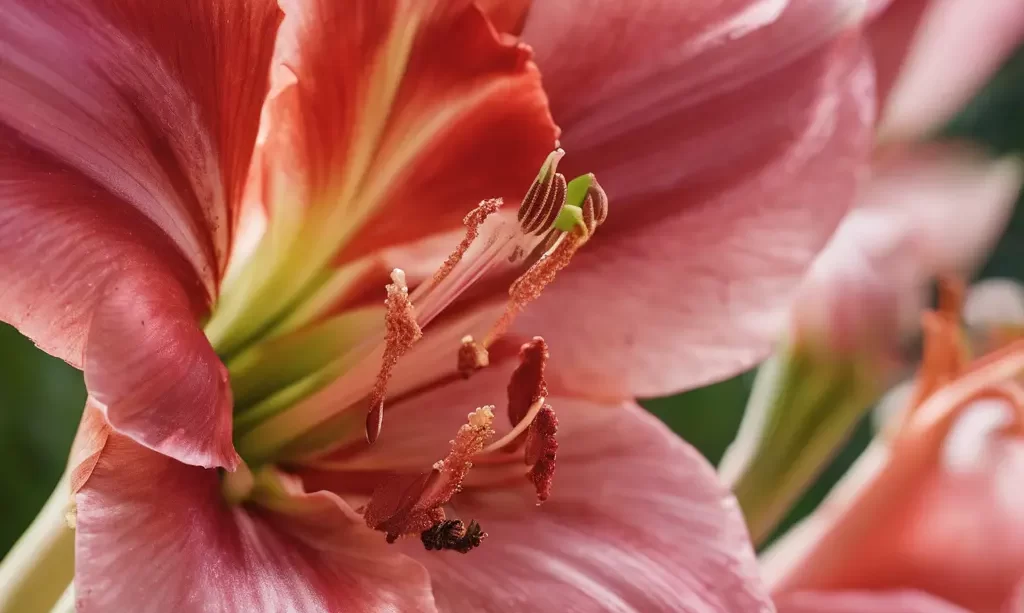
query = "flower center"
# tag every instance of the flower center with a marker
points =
(306, 390)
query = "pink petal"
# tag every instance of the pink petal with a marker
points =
(721, 195)
(891, 34)
(863, 602)
(152, 372)
(957, 47)
(157, 103)
(910, 226)
(92, 280)
(154, 535)
(637, 521)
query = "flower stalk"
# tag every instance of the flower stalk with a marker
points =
(38, 570)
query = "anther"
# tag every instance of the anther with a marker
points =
(401, 332)
(409, 504)
(454, 535)
(545, 197)
(472, 357)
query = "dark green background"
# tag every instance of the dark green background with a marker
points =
(41, 397)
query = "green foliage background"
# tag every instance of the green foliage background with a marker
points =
(41, 398)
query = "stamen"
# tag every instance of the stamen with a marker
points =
(541, 449)
(473, 220)
(945, 348)
(529, 286)
(409, 504)
(401, 332)
(545, 197)
(519, 429)
(472, 357)
(453, 534)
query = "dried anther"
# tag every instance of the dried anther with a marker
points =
(541, 448)
(453, 534)
(526, 385)
(472, 357)
(401, 332)
(410, 504)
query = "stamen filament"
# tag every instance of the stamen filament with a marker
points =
(518, 429)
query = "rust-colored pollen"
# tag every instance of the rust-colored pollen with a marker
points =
(401, 332)
(541, 449)
(473, 220)
(472, 357)
(531, 284)
(412, 504)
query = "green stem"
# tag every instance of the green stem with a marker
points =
(37, 571)
(803, 408)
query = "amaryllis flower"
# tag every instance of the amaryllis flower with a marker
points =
(203, 207)
(929, 209)
(928, 520)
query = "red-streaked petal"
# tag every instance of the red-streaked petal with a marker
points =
(62, 239)
(863, 602)
(956, 48)
(717, 209)
(430, 112)
(157, 102)
(155, 536)
(389, 121)
(637, 521)
(93, 281)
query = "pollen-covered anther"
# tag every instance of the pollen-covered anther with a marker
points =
(401, 332)
(472, 357)
(529, 286)
(473, 220)
(413, 504)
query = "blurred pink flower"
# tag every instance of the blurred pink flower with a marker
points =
(927, 521)
(212, 256)
(912, 221)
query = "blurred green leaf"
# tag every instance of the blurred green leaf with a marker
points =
(41, 400)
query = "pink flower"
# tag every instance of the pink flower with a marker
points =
(213, 256)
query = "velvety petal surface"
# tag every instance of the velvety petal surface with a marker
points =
(728, 156)
(956, 47)
(863, 602)
(155, 535)
(95, 282)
